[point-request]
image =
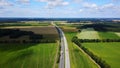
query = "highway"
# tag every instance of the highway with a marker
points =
(64, 53)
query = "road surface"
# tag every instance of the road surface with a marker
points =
(64, 54)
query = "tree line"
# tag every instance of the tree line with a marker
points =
(26, 41)
(98, 40)
(97, 59)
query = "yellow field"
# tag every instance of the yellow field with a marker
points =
(88, 33)
(118, 34)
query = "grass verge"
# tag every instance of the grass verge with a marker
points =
(77, 58)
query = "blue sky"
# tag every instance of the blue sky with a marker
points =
(60, 8)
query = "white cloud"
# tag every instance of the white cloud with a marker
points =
(4, 3)
(110, 5)
(78, 1)
(90, 5)
(65, 3)
(24, 1)
(80, 10)
(18, 11)
(54, 3)
(94, 6)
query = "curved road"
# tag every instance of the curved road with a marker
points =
(64, 54)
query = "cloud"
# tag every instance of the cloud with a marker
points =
(20, 12)
(54, 3)
(78, 1)
(110, 5)
(23, 1)
(80, 10)
(109, 9)
(90, 5)
(60, 8)
(4, 3)
(116, 0)
(94, 6)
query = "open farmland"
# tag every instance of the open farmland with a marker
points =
(24, 24)
(35, 34)
(118, 34)
(28, 55)
(77, 58)
(66, 27)
(88, 33)
(69, 29)
(108, 35)
(107, 51)
(48, 32)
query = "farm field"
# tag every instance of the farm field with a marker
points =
(108, 35)
(23, 24)
(68, 27)
(118, 34)
(28, 55)
(20, 34)
(107, 51)
(77, 58)
(88, 33)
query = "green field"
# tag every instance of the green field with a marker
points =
(118, 34)
(108, 35)
(107, 51)
(32, 23)
(88, 33)
(77, 58)
(28, 55)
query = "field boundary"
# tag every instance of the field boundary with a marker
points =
(88, 56)
(56, 56)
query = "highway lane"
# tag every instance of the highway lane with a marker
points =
(64, 55)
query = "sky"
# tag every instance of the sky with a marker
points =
(60, 8)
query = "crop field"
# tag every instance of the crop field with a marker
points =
(118, 34)
(48, 32)
(108, 35)
(28, 55)
(66, 24)
(32, 23)
(69, 29)
(107, 51)
(77, 58)
(88, 33)
(41, 30)
(43, 33)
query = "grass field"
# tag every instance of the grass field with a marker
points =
(88, 33)
(108, 35)
(24, 24)
(118, 34)
(77, 58)
(28, 55)
(107, 51)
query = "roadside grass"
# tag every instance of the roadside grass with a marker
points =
(108, 35)
(107, 51)
(88, 33)
(77, 58)
(28, 55)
